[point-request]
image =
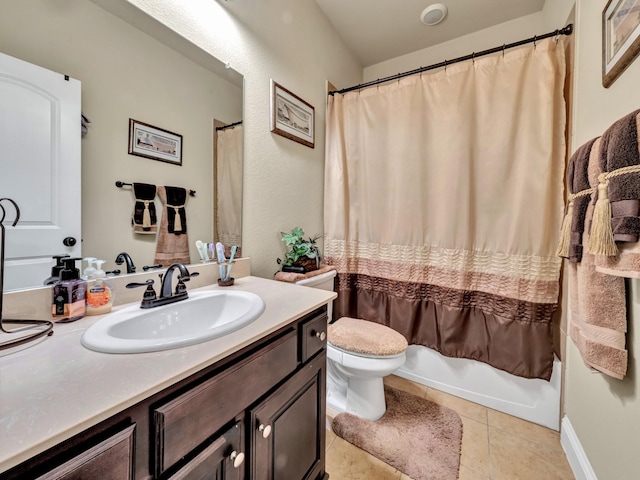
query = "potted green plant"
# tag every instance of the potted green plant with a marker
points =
(303, 254)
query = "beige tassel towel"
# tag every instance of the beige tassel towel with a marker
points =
(171, 248)
(597, 305)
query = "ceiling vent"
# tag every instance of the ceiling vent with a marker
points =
(433, 14)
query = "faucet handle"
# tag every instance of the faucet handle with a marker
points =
(138, 284)
(186, 279)
(149, 293)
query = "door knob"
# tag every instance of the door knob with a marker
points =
(69, 241)
(236, 458)
(265, 430)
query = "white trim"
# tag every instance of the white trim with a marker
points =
(575, 453)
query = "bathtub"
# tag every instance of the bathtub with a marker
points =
(531, 399)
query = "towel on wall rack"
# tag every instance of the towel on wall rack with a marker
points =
(176, 213)
(144, 218)
(172, 246)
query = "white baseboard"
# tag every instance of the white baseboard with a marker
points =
(575, 454)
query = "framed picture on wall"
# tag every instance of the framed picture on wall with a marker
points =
(620, 38)
(156, 143)
(291, 116)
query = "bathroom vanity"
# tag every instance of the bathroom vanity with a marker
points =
(250, 405)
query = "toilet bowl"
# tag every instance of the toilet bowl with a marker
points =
(359, 354)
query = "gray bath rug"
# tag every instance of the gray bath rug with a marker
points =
(418, 437)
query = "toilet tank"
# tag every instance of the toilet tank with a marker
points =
(324, 281)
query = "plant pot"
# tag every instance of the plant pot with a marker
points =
(309, 264)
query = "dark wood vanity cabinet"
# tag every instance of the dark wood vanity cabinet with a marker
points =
(288, 427)
(258, 414)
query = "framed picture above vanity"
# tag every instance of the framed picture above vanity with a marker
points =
(156, 143)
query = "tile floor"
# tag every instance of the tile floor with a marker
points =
(495, 446)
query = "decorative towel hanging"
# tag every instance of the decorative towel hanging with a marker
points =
(578, 199)
(144, 218)
(176, 214)
(598, 320)
(616, 217)
(173, 246)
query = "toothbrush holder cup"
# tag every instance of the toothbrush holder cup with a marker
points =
(225, 279)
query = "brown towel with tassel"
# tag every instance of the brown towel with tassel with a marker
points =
(617, 211)
(597, 304)
(577, 202)
(625, 212)
(171, 247)
(176, 213)
(144, 218)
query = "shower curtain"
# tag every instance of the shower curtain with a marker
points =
(229, 186)
(443, 203)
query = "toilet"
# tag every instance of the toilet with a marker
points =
(359, 354)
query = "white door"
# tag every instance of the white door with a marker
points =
(39, 168)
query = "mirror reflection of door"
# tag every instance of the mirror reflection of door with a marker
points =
(40, 122)
(227, 189)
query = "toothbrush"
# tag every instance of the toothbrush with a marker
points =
(200, 246)
(220, 251)
(233, 254)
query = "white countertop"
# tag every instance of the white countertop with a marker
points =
(57, 388)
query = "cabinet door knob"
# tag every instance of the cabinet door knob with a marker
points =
(321, 336)
(236, 458)
(266, 430)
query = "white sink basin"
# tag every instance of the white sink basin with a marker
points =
(203, 316)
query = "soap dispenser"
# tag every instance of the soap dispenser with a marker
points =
(68, 294)
(56, 269)
(99, 292)
(89, 272)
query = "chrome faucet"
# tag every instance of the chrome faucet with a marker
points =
(124, 257)
(167, 295)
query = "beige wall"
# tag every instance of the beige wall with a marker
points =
(554, 15)
(605, 413)
(125, 74)
(291, 42)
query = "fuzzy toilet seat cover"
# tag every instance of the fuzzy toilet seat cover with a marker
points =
(369, 338)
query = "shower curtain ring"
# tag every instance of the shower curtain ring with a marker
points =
(535, 39)
(473, 58)
(446, 63)
(504, 46)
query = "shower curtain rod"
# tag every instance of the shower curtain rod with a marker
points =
(568, 30)
(229, 126)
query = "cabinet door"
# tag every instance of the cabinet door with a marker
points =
(288, 428)
(223, 459)
(111, 459)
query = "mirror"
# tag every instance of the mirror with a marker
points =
(132, 67)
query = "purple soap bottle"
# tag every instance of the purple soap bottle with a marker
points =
(68, 295)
